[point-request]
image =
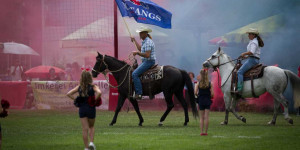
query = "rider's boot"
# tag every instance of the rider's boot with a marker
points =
(239, 88)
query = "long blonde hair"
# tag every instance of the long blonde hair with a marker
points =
(204, 82)
(85, 80)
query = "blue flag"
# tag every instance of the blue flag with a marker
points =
(145, 11)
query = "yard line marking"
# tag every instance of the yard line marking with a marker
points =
(164, 134)
(245, 137)
(218, 136)
(250, 137)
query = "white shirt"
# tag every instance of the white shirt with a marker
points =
(254, 48)
(17, 74)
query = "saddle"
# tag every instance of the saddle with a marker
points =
(150, 80)
(255, 72)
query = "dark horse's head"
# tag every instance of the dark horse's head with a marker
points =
(99, 66)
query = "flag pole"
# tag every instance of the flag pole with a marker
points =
(129, 32)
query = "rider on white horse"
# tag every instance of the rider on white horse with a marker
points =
(253, 54)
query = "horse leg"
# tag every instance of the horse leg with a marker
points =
(233, 106)
(281, 99)
(181, 99)
(276, 110)
(170, 105)
(137, 109)
(121, 100)
(227, 100)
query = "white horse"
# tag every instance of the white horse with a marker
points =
(274, 81)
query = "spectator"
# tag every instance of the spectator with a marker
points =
(68, 70)
(16, 71)
(76, 71)
(7, 76)
(87, 110)
(52, 75)
(204, 94)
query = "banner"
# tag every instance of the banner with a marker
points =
(52, 94)
(145, 11)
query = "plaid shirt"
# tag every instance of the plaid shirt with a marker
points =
(148, 45)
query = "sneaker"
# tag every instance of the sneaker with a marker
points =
(203, 134)
(92, 146)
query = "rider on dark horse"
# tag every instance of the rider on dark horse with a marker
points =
(147, 53)
(253, 53)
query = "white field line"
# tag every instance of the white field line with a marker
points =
(242, 137)
(172, 134)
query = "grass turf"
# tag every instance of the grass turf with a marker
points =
(61, 130)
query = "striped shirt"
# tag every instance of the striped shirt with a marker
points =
(148, 45)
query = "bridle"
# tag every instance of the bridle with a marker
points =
(104, 72)
(218, 66)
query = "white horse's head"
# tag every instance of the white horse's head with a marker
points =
(215, 60)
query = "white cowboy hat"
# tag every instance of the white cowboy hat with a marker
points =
(143, 29)
(253, 31)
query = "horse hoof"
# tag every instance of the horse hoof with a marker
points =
(160, 124)
(244, 120)
(140, 124)
(271, 123)
(224, 123)
(112, 123)
(185, 124)
(291, 121)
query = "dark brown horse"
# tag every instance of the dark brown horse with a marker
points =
(172, 82)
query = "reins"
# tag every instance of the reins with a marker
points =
(113, 71)
(130, 58)
(218, 66)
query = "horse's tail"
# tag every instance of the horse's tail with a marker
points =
(189, 85)
(295, 81)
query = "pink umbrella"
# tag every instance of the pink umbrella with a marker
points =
(218, 41)
(42, 71)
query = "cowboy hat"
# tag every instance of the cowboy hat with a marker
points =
(253, 31)
(143, 29)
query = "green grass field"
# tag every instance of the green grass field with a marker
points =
(61, 130)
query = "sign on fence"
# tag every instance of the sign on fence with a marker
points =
(52, 94)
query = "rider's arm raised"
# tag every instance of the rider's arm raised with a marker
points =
(138, 46)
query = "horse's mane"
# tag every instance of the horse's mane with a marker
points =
(121, 61)
(229, 58)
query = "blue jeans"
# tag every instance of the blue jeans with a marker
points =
(143, 67)
(250, 62)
